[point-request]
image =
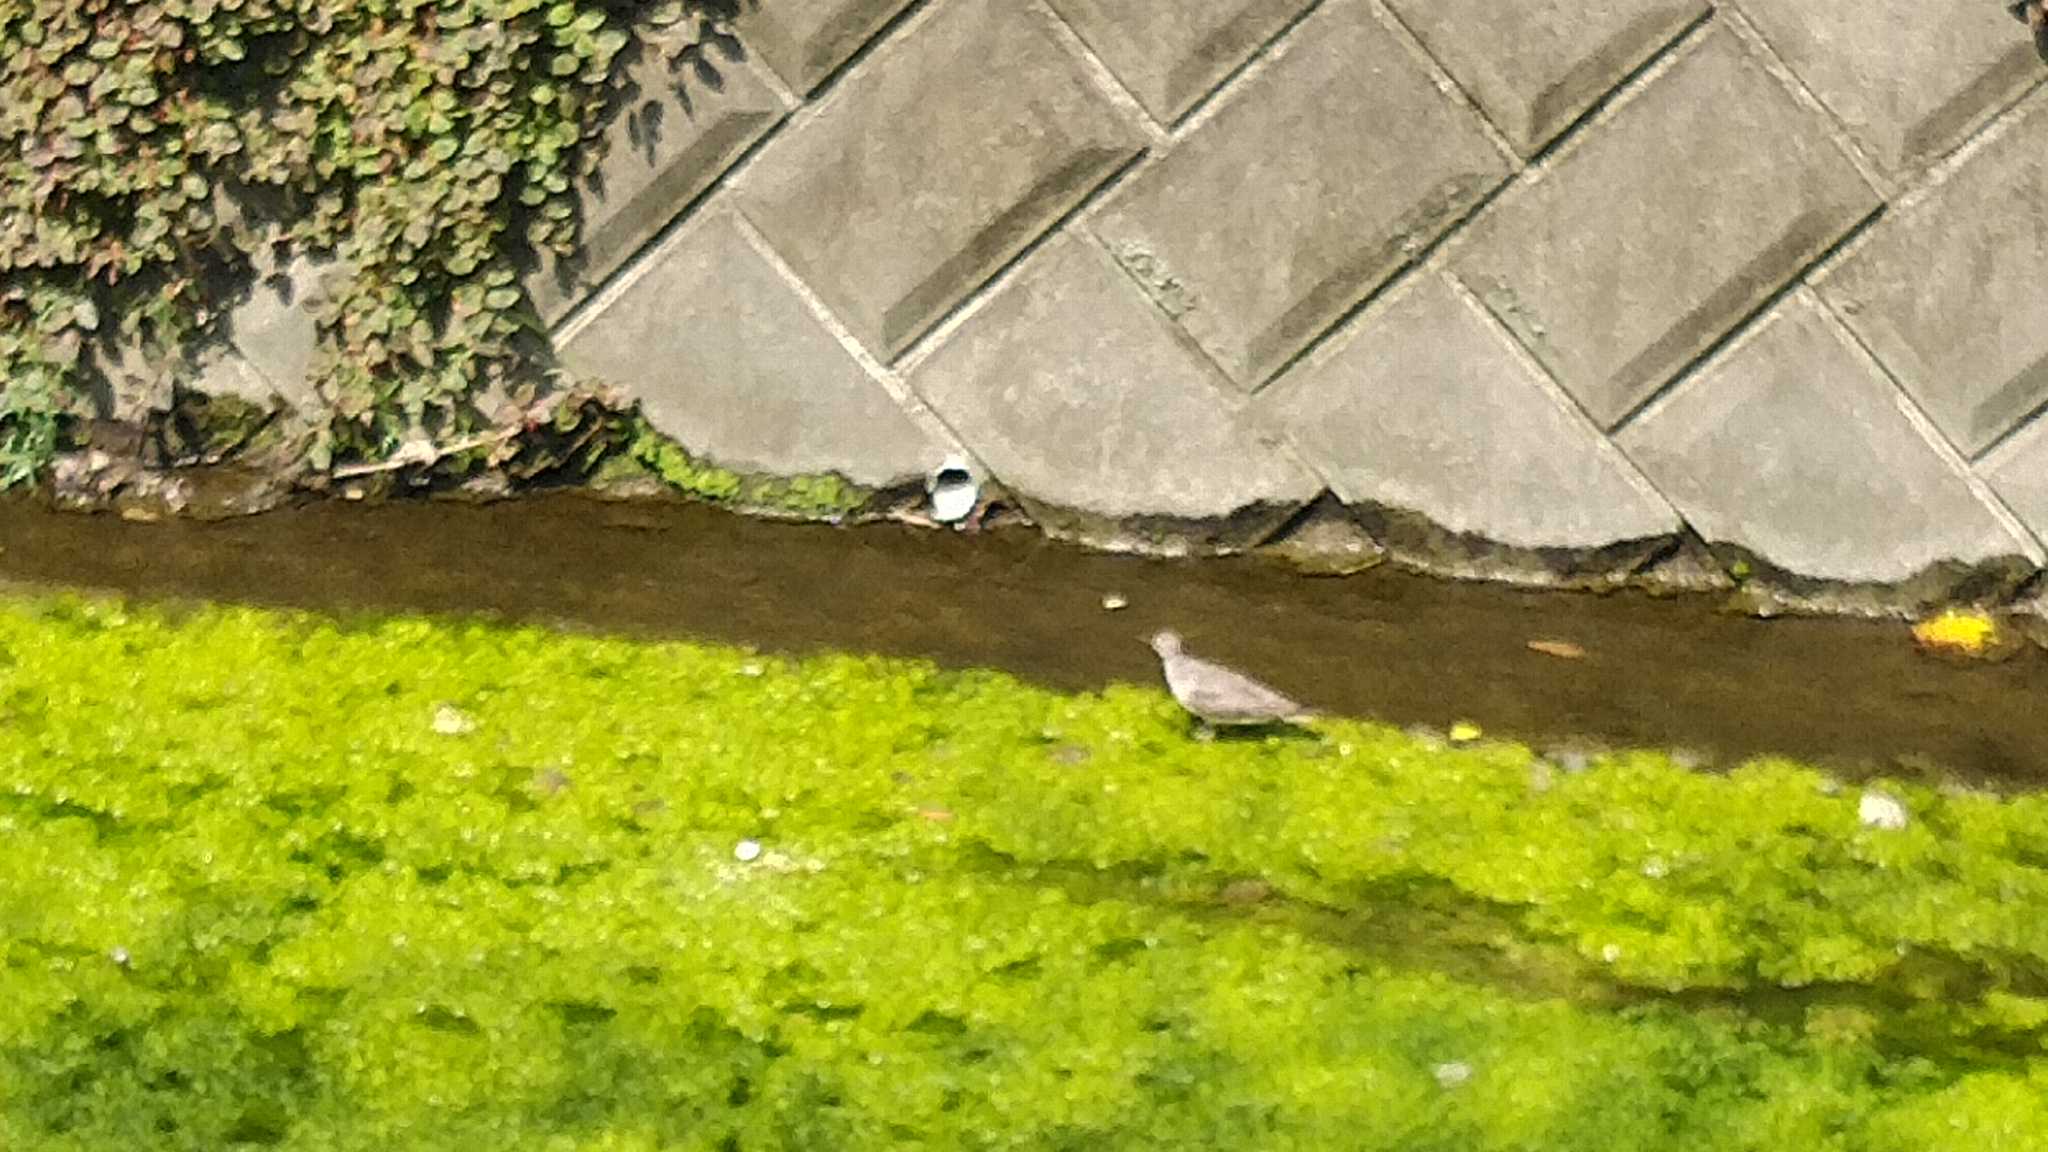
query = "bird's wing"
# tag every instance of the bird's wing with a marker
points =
(1213, 690)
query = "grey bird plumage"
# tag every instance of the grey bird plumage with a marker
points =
(1217, 695)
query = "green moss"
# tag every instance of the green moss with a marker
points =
(272, 878)
(819, 497)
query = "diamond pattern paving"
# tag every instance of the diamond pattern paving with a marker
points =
(2018, 470)
(1795, 447)
(804, 40)
(1078, 393)
(1949, 290)
(1535, 66)
(1664, 227)
(1426, 407)
(724, 357)
(931, 168)
(1171, 55)
(1907, 77)
(1195, 335)
(672, 140)
(1285, 171)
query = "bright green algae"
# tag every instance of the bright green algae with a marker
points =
(251, 892)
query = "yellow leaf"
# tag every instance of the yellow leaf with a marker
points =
(1968, 633)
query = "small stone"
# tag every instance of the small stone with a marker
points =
(752, 668)
(1242, 893)
(1465, 732)
(1877, 810)
(1689, 759)
(747, 851)
(1611, 953)
(1114, 603)
(119, 956)
(449, 721)
(1571, 761)
(1452, 1073)
(1655, 868)
(1423, 734)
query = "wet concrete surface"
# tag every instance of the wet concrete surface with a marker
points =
(1855, 696)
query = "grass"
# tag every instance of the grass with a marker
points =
(270, 880)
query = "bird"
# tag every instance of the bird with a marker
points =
(1218, 696)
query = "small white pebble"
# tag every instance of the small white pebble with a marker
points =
(1878, 810)
(1611, 953)
(1114, 603)
(747, 851)
(751, 668)
(1655, 868)
(119, 956)
(451, 722)
(1452, 1073)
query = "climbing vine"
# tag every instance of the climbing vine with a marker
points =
(156, 155)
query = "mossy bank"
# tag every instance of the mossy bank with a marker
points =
(280, 880)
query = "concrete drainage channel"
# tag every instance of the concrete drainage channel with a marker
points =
(1565, 671)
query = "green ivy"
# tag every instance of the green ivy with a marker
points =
(428, 146)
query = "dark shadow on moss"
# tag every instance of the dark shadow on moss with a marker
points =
(1422, 924)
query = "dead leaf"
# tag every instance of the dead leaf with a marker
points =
(1562, 649)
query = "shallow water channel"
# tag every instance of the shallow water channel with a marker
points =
(1855, 696)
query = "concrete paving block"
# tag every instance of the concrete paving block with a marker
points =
(1537, 66)
(1661, 228)
(1275, 217)
(1908, 78)
(224, 371)
(725, 358)
(1172, 55)
(2018, 472)
(668, 144)
(1794, 446)
(1948, 290)
(936, 163)
(128, 381)
(1078, 393)
(1427, 408)
(804, 40)
(275, 331)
